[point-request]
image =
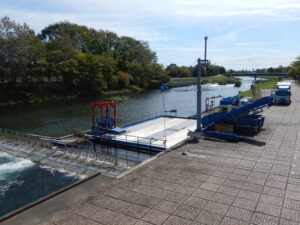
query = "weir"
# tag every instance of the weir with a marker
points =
(81, 159)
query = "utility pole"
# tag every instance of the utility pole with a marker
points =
(199, 96)
(205, 50)
(198, 132)
(205, 47)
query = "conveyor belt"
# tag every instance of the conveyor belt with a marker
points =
(253, 108)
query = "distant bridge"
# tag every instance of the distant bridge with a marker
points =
(256, 74)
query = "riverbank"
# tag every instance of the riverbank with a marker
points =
(219, 79)
(56, 119)
(255, 92)
(114, 95)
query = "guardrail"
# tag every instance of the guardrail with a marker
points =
(89, 153)
(21, 136)
(131, 140)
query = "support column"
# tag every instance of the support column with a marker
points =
(199, 102)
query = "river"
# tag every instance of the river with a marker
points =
(57, 119)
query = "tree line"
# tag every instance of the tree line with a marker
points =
(67, 59)
(279, 69)
(183, 71)
(295, 69)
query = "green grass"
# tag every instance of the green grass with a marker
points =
(222, 80)
(116, 92)
(117, 98)
(219, 79)
(248, 93)
(182, 80)
(255, 93)
(278, 78)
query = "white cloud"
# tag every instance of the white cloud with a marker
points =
(232, 35)
(257, 60)
(159, 22)
(39, 20)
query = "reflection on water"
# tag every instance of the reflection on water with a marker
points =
(56, 119)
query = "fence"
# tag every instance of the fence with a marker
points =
(94, 154)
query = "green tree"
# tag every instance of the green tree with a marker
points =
(70, 59)
(137, 73)
(181, 71)
(213, 70)
(108, 67)
(295, 69)
(90, 79)
(20, 52)
(78, 35)
(157, 75)
(124, 79)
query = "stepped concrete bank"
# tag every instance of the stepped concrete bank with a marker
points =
(252, 182)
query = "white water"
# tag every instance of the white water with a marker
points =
(16, 164)
(23, 181)
(65, 172)
(13, 165)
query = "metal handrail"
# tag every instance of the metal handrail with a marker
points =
(79, 152)
(138, 139)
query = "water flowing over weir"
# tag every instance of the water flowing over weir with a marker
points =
(23, 181)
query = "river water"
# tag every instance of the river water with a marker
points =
(57, 119)
(23, 181)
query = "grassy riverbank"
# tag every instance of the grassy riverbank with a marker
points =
(255, 92)
(219, 79)
(117, 95)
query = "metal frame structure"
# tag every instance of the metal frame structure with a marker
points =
(106, 106)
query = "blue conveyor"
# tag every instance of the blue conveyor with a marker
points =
(246, 115)
(254, 108)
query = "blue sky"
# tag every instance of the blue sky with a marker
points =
(242, 34)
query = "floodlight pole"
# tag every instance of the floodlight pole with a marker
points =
(199, 94)
(199, 102)
(198, 132)
(205, 50)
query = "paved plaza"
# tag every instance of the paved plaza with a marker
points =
(247, 183)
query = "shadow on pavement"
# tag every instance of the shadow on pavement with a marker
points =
(254, 142)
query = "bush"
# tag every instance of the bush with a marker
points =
(123, 79)
(238, 83)
(135, 88)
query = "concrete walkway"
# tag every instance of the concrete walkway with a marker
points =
(250, 183)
